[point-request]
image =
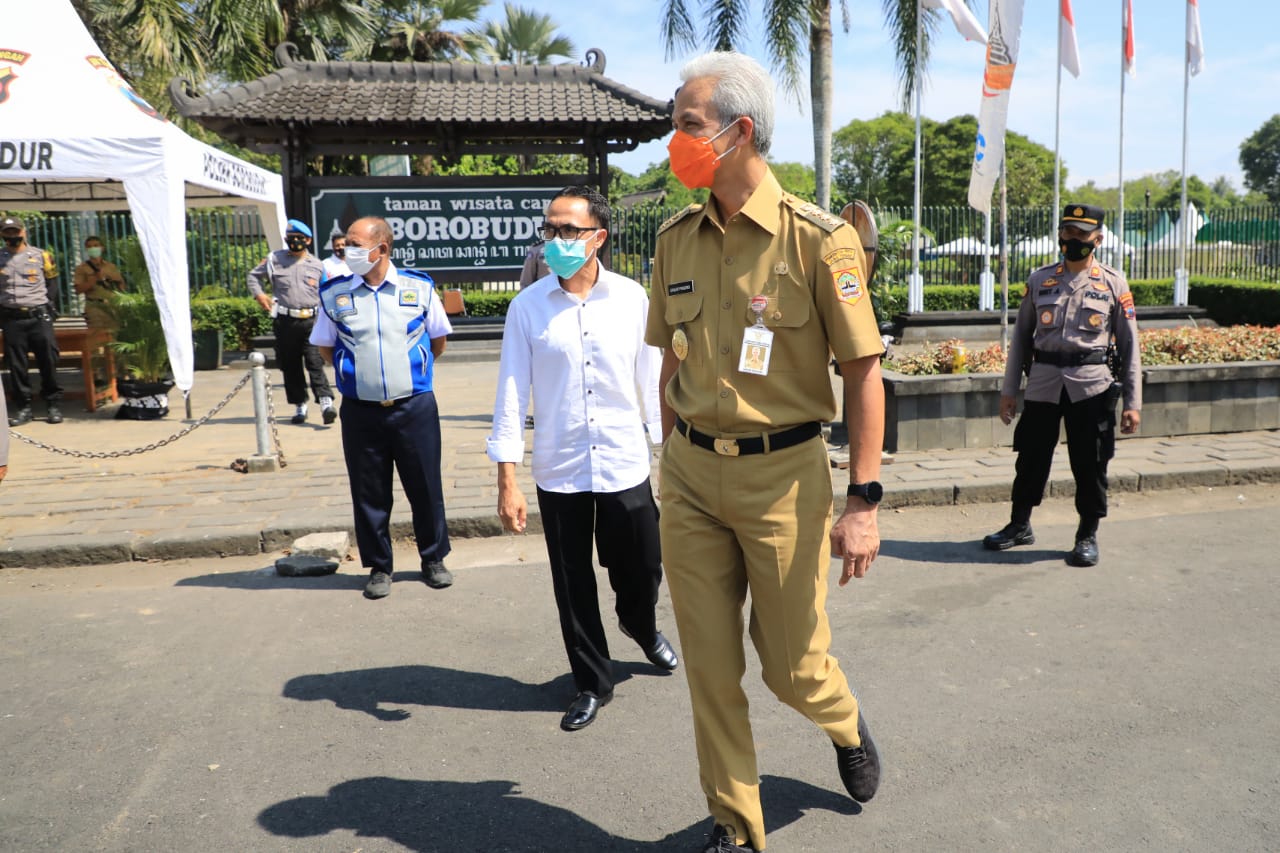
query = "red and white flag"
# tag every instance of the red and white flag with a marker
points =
(964, 20)
(1130, 66)
(1195, 40)
(1068, 50)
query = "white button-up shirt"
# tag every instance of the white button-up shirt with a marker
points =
(593, 380)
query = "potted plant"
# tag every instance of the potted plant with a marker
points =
(144, 356)
(207, 336)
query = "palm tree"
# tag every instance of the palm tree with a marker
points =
(525, 37)
(418, 31)
(790, 24)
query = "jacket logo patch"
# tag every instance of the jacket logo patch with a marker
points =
(344, 306)
(848, 285)
(409, 297)
(1046, 317)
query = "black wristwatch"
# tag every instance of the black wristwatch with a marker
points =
(871, 492)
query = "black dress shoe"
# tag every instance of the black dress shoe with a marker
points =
(20, 417)
(860, 765)
(55, 414)
(582, 710)
(722, 841)
(660, 654)
(1008, 536)
(1085, 553)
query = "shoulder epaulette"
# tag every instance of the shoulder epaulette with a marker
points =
(332, 282)
(826, 221)
(421, 275)
(693, 208)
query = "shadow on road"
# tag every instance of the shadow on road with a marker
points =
(966, 551)
(422, 684)
(266, 578)
(448, 817)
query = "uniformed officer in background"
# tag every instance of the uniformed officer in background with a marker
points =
(746, 483)
(295, 275)
(1071, 313)
(28, 300)
(97, 280)
(383, 328)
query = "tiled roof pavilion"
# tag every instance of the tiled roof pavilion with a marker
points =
(305, 109)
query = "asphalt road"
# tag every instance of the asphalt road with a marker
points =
(1019, 704)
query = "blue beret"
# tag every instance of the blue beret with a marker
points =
(295, 225)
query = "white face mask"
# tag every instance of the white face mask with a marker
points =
(358, 260)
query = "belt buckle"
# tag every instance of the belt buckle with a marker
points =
(386, 404)
(726, 446)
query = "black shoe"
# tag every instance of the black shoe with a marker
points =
(1008, 536)
(582, 711)
(20, 417)
(329, 414)
(436, 576)
(1085, 553)
(379, 585)
(860, 765)
(660, 654)
(723, 842)
(55, 414)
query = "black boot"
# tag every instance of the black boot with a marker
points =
(22, 416)
(55, 414)
(1013, 533)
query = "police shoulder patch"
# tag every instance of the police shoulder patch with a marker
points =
(672, 220)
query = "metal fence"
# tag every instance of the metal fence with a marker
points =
(1238, 242)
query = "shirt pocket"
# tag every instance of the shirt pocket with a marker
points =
(684, 311)
(1048, 315)
(1093, 321)
(787, 313)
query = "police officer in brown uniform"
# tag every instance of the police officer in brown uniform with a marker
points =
(1072, 311)
(295, 276)
(97, 280)
(745, 478)
(28, 296)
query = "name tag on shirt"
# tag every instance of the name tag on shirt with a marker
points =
(757, 346)
(680, 287)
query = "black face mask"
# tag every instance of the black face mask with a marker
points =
(1075, 250)
(14, 242)
(297, 245)
(340, 252)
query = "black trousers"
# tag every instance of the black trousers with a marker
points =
(293, 351)
(625, 527)
(1091, 442)
(407, 437)
(31, 334)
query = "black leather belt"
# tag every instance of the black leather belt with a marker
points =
(24, 311)
(755, 444)
(378, 404)
(1070, 359)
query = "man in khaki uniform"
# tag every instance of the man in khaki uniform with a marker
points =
(745, 478)
(98, 281)
(1071, 312)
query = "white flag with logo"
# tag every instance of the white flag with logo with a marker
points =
(964, 20)
(1068, 50)
(993, 115)
(1195, 40)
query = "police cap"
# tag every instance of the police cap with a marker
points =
(1086, 217)
(12, 223)
(295, 226)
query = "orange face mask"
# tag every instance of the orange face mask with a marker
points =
(693, 160)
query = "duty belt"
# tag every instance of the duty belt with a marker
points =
(763, 443)
(1070, 359)
(297, 313)
(379, 404)
(24, 310)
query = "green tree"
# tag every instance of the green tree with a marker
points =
(863, 154)
(523, 37)
(1198, 193)
(421, 32)
(1260, 160)
(795, 178)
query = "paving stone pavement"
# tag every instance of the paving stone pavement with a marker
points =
(184, 500)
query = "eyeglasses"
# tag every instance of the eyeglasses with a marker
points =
(564, 232)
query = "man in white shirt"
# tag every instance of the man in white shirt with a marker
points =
(574, 340)
(335, 266)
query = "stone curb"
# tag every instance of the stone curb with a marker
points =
(82, 549)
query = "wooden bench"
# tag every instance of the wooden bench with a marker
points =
(74, 338)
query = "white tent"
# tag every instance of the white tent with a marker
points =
(77, 137)
(1193, 221)
(965, 246)
(1048, 245)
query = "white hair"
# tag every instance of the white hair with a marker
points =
(742, 88)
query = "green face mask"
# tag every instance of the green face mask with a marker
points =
(94, 252)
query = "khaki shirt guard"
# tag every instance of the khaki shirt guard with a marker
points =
(810, 266)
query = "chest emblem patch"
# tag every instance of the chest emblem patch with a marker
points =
(1046, 317)
(410, 297)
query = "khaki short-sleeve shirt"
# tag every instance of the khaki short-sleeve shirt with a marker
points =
(810, 267)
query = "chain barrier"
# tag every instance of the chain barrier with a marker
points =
(115, 454)
(275, 433)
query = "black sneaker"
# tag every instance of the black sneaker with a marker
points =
(379, 585)
(860, 765)
(329, 414)
(20, 417)
(723, 841)
(1085, 553)
(55, 414)
(1008, 536)
(436, 576)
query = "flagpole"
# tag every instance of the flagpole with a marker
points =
(1057, 123)
(915, 282)
(1123, 74)
(1181, 276)
(1004, 256)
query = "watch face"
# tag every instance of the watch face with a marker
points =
(875, 492)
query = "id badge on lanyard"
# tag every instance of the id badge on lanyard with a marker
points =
(757, 341)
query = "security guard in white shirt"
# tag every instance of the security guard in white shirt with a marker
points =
(574, 340)
(382, 329)
(295, 276)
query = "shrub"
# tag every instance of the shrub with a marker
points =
(487, 303)
(240, 318)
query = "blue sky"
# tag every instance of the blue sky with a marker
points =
(1238, 90)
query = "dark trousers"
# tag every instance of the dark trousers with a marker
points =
(1091, 442)
(406, 436)
(625, 527)
(31, 334)
(293, 351)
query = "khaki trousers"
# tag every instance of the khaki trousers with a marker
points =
(758, 523)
